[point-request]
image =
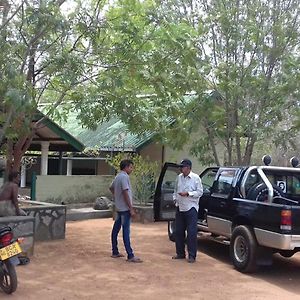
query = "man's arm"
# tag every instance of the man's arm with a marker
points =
(128, 202)
(175, 190)
(199, 189)
(112, 190)
(15, 199)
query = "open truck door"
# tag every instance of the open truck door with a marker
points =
(164, 207)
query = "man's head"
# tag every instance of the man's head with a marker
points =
(14, 177)
(126, 165)
(185, 166)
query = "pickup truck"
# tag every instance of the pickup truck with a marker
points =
(254, 209)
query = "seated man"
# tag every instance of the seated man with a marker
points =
(9, 205)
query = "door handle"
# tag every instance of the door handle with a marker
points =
(222, 203)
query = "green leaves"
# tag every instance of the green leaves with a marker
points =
(139, 60)
(143, 177)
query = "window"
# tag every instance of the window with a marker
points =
(224, 182)
(169, 179)
(208, 178)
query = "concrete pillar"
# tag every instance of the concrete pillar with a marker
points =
(23, 175)
(44, 157)
(60, 164)
(69, 167)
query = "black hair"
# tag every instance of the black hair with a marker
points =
(125, 163)
(13, 175)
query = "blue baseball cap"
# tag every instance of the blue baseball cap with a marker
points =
(185, 163)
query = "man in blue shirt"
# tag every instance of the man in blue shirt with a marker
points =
(121, 189)
(188, 190)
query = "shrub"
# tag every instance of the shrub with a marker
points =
(142, 178)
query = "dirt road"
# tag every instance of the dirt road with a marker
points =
(80, 267)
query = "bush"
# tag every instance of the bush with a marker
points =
(142, 178)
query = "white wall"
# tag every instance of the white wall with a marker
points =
(72, 189)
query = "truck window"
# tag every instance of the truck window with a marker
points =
(208, 178)
(169, 179)
(224, 181)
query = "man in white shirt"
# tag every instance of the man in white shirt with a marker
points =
(188, 190)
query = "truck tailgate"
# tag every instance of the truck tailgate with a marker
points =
(295, 219)
(267, 216)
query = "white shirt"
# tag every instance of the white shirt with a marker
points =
(191, 184)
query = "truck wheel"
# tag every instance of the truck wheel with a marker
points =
(259, 192)
(171, 230)
(243, 249)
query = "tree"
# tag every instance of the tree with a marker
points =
(173, 66)
(248, 55)
(91, 59)
(38, 59)
(238, 61)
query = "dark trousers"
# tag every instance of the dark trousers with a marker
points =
(186, 222)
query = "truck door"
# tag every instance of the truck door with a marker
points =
(164, 207)
(218, 217)
(208, 177)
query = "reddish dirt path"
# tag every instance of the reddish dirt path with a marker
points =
(80, 267)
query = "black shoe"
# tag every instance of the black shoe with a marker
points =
(191, 260)
(178, 257)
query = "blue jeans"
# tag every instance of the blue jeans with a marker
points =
(123, 220)
(186, 221)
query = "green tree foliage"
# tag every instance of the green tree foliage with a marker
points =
(227, 68)
(248, 54)
(97, 57)
(40, 60)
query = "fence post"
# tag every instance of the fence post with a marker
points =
(33, 186)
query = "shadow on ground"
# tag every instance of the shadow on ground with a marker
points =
(284, 273)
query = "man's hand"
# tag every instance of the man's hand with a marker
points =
(183, 194)
(132, 212)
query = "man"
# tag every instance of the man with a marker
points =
(188, 190)
(9, 205)
(121, 189)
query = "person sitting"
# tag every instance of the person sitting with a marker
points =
(9, 205)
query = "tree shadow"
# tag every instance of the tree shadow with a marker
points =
(284, 273)
(214, 250)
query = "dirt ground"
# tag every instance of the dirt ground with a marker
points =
(80, 267)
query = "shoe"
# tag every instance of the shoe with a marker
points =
(134, 260)
(117, 255)
(191, 260)
(178, 257)
(23, 260)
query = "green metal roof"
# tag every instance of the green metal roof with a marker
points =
(59, 138)
(112, 135)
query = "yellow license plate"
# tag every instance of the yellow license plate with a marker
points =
(10, 250)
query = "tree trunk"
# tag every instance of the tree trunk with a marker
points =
(249, 150)
(15, 152)
(212, 145)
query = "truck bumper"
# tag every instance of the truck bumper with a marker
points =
(277, 240)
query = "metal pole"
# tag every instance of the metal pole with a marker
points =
(33, 186)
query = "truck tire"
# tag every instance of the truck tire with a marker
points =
(243, 249)
(259, 192)
(171, 230)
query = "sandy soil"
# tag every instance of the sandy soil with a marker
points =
(80, 267)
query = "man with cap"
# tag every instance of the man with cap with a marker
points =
(188, 190)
